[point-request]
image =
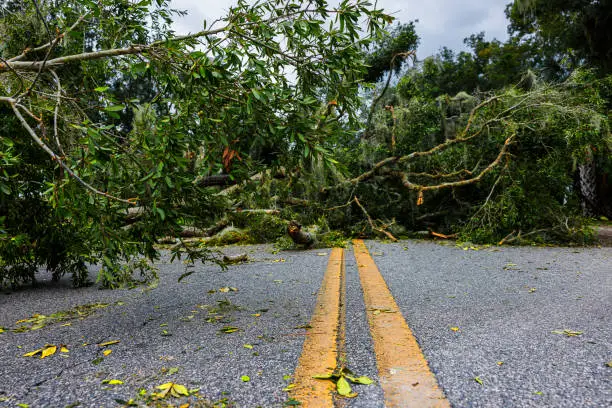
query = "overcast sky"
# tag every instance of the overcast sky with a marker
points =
(441, 22)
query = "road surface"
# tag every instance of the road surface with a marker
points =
(457, 326)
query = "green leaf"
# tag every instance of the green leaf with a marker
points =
(101, 89)
(478, 380)
(360, 380)
(229, 329)
(344, 388)
(245, 378)
(114, 108)
(323, 376)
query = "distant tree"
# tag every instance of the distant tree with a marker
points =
(570, 33)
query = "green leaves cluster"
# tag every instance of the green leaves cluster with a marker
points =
(146, 117)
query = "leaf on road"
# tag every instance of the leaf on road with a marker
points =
(173, 389)
(510, 267)
(289, 387)
(324, 376)
(229, 329)
(376, 312)
(455, 329)
(248, 346)
(97, 361)
(109, 343)
(321, 253)
(112, 382)
(360, 380)
(32, 353)
(609, 363)
(107, 352)
(48, 351)
(344, 388)
(500, 363)
(64, 349)
(478, 380)
(567, 332)
(245, 378)
(2, 329)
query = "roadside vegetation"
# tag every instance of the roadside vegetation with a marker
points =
(118, 136)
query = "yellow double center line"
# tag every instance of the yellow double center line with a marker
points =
(403, 372)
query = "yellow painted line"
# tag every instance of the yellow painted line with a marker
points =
(320, 350)
(403, 372)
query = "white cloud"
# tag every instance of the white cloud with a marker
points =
(441, 22)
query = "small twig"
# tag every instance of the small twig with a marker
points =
(56, 112)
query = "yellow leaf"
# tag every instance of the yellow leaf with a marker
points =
(112, 382)
(224, 289)
(165, 386)
(420, 198)
(66, 324)
(107, 352)
(48, 351)
(455, 329)
(64, 349)
(289, 387)
(32, 353)
(184, 405)
(179, 389)
(109, 343)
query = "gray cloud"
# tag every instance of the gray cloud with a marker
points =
(441, 22)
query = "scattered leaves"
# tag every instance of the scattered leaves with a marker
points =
(46, 351)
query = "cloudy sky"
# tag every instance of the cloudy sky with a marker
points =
(441, 22)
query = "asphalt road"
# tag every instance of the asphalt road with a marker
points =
(484, 318)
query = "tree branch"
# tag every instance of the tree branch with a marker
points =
(57, 159)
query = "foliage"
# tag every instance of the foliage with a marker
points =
(569, 33)
(106, 109)
(390, 51)
(507, 166)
